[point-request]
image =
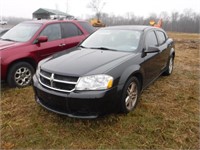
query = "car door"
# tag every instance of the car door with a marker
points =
(71, 34)
(164, 49)
(152, 60)
(54, 43)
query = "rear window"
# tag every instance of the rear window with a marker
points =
(90, 29)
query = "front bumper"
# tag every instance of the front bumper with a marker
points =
(3, 71)
(78, 104)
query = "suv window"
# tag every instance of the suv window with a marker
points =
(70, 30)
(161, 37)
(90, 29)
(151, 39)
(52, 31)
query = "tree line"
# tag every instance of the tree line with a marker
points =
(188, 21)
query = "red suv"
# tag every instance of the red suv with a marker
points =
(23, 46)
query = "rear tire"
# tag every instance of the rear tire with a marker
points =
(130, 95)
(20, 75)
(170, 67)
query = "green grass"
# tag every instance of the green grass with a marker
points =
(167, 116)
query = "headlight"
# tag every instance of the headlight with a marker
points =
(37, 71)
(39, 65)
(95, 82)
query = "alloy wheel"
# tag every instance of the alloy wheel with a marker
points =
(132, 94)
(170, 65)
(23, 76)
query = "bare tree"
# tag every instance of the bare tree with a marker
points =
(187, 21)
(97, 6)
(67, 6)
(166, 18)
(56, 6)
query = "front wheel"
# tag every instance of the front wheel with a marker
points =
(130, 95)
(20, 75)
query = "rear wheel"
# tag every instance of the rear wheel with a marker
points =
(170, 66)
(20, 75)
(130, 96)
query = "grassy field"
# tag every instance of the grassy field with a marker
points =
(166, 117)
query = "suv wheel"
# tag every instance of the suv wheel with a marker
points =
(20, 75)
(130, 95)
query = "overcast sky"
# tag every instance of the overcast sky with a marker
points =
(78, 8)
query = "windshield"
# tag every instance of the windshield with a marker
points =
(21, 32)
(119, 40)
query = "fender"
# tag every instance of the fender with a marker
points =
(127, 73)
(171, 45)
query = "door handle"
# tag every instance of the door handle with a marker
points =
(62, 44)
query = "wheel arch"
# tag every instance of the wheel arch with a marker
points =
(31, 61)
(139, 76)
(130, 72)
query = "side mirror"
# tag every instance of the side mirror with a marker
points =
(41, 39)
(152, 50)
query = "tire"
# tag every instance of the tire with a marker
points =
(128, 104)
(20, 75)
(170, 66)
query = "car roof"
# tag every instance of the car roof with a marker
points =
(51, 21)
(4, 29)
(131, 27)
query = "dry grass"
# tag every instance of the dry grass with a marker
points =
(167, 116)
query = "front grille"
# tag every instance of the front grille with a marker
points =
(65, 78)
(57, 82)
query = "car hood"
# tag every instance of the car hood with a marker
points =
(8, 44)
(84, 62)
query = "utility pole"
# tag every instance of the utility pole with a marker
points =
(67, 6)
(1, 10)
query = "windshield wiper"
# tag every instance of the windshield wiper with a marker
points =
(8, 40)
(103, 48)
(83, 46)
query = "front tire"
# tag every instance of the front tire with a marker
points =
(130, 95)
(20, 74)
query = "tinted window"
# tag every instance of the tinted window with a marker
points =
(53, 32)
(70, 30)
(90, 29)
(161, 37)
(151, 39)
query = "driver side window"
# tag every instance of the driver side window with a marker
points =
(53, 32)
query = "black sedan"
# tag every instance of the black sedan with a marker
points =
(106, 73)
